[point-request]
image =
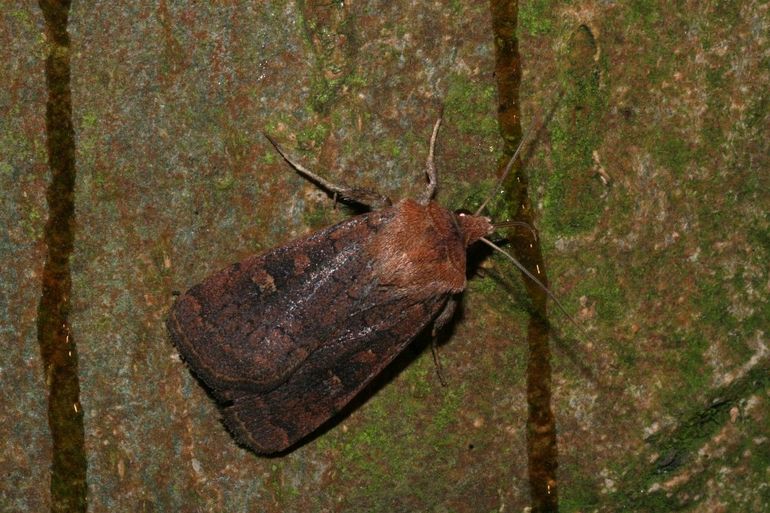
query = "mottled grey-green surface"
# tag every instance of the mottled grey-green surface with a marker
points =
(651, 185)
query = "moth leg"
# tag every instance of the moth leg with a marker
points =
(430, 167)
(442, 320)
(362, 196)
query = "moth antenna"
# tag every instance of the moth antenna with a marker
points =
(508, 224)
(364, 197)
(430, 167)
(534, 279)
(524, 138)
(508, 168)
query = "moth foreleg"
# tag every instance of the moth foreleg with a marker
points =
(445, 316)
(442, 320)
(430, 167)
(362, 196)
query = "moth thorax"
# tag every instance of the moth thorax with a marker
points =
(474, 227)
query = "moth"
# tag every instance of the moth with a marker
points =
(285, 339)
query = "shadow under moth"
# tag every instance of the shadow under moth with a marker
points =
(285, 339)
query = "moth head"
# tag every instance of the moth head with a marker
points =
(473, 227)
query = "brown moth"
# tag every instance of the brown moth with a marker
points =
(285, 339)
